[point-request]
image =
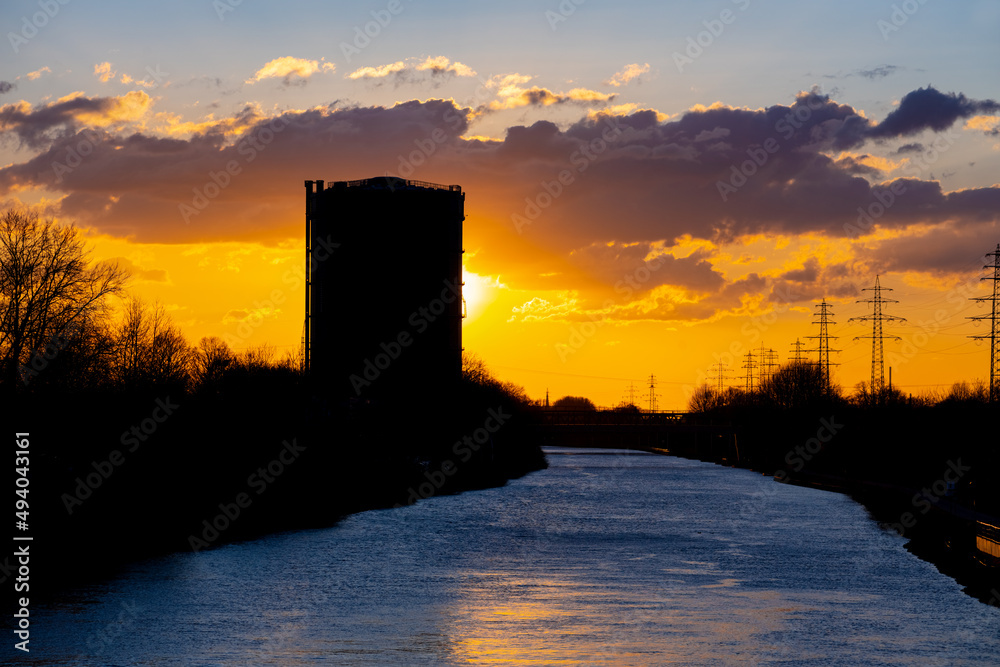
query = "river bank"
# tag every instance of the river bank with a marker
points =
(157, 475)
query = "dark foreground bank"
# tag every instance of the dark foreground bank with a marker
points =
(116, 478)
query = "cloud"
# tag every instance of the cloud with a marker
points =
(440, 65)
(378, 72)
(929, 109)
(599, 198)
(38, 127)
(989, 125)
(128, 80)
(520, 97)
(414, 70)
(38, 73)
(633, 71)
(288, 69)
(879, 72)
(251, 315)
(6, 87)
(138, 273)
(103, 72)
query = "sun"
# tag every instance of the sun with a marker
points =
(479, 292)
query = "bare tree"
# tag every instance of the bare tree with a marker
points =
(47, 287)
(211, 360)
(149, 349)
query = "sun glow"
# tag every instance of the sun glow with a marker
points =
(479, 292)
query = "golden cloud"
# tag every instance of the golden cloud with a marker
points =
(633, 71)
(286, 67)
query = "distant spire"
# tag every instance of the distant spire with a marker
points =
(546, 397)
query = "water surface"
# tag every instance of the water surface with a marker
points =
(605, 558)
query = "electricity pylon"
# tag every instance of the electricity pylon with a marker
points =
(877, 318)
(652, 393)
(823, 346)
(994, 319)
(798, 354)
(767, 361)
(749, 365)
(720, 369)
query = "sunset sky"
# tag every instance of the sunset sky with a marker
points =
(651, 188)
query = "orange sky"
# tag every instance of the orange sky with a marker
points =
(606, 240)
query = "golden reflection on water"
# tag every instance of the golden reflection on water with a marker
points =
(547, 619)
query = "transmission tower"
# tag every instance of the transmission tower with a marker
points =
(630, 395)
(749, 365)
(877, 318)
(767, 361)
(798, 354)
(720, 375)
(823, 345)
(994, 319)
(652, 393)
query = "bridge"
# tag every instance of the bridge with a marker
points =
(667, 432)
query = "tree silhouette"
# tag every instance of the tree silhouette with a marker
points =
(149, 350)
(574, 403)
(795, 385)
(48, 289)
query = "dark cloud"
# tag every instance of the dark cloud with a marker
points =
(929, 109)
(6, 87)
(638, 267)
(910, 148)
(879, 72)
(549, 206)
(943, 250)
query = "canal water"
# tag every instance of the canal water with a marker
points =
(605, 558)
